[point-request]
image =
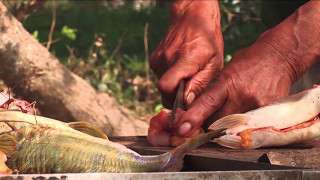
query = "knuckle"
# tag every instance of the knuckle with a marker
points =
(195, 120)
(162, 85)
(168, 55)
(154, 60)
(208, 101)
(200, 85)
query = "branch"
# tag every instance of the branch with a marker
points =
(53, 23)
(115, 51)
(146, 51)
(59, 93)
(22, 11)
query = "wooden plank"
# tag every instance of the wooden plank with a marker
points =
(293, 157)
(308, 158)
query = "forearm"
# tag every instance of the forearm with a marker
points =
(295, 42)
(194, 8)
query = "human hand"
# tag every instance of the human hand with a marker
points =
(261, 73)
(192, 49)
(249, 81)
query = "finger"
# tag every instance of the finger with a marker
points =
(158, 62)
(165, 54)
(169, 81)
(192, 60)
(199, 82)
(207, 104)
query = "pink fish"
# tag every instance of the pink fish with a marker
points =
(291, 120)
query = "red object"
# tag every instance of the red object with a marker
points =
(160, 133)
(17, 104)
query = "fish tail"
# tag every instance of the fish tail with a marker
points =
(230, 121)
(176, 155)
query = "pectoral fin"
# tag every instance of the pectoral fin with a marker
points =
(88, 128)
(7, 144)
(230, 141)
(230, 121)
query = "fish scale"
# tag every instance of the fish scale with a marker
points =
(32, 156)
(51, 146)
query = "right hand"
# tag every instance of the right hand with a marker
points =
(192, 49)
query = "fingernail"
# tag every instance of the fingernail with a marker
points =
(185, 128)
(190, 98)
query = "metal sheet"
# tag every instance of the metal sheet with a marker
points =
(238, 175)
(310, 175)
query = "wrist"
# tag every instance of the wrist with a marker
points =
(194, 7)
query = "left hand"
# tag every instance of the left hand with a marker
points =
(251, 79)
(261, 73)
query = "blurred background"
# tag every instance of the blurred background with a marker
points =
(108, 42)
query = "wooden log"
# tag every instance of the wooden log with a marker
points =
(59, 93)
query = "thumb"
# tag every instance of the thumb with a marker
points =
(207, 104)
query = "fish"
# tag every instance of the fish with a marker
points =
(162, 134)
(37, 144)
(290, 120)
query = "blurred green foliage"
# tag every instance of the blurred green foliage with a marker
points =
(105, 45)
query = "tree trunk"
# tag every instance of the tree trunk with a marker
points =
(59, 93)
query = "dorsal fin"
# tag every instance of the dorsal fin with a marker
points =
(88, 128)
(7, 144)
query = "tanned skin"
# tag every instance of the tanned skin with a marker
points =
(192, 49)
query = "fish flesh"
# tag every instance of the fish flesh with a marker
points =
(37, 144)
(162, 133)
(290, 120)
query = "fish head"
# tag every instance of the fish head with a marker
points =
(4, 127)
(16, 120)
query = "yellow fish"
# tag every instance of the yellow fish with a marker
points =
(35, 144)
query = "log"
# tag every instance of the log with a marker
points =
(59, 93)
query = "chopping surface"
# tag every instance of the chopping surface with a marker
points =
(221, 158)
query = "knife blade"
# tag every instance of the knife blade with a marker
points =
(178, 102)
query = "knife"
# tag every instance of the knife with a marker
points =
(178, 102)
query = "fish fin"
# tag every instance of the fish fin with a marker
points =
(176, 155)
(88, 128)
(230, 121)
(230, 141)
(3, 167)
(7, 144)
